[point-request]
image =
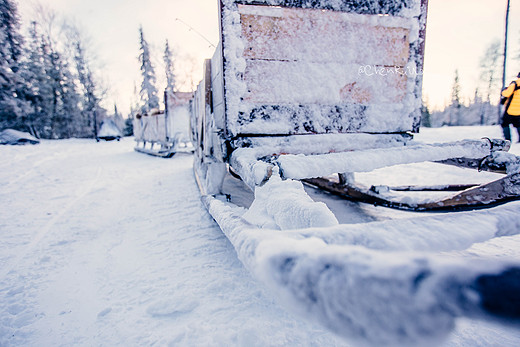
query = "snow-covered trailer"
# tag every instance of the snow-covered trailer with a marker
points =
(316, 91)
(164, 133)
(109, 130)
(314, 72)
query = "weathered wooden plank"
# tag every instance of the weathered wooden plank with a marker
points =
(217, 88)
(322, 83)
(289, 119)
(294, 69)
(390, 7)
(323, 36)
(151, 128)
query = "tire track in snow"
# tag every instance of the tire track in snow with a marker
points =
(84, 191)
(34, 167)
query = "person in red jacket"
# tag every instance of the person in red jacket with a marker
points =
(512, 109)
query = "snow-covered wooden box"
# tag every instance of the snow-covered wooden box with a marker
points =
(289, 67)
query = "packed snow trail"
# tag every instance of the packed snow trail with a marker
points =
(105, 246)
(133, 258)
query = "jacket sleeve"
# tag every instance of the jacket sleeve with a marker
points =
(507, 92)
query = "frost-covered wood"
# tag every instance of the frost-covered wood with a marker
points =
(393, 7)
(300, 67)
(150, 128)
(168, 126)
(301, 166)
(308, 161)
(208, 164)
(293, 34)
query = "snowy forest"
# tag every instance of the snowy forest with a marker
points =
(50, 85)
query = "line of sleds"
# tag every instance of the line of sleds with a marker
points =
(286, 99)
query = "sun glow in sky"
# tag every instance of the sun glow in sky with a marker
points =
(458, 33)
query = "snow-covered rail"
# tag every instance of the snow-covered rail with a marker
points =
(254, 172)
(301, 166)
(380, 283)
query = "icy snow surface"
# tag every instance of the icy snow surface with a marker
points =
(103, 246)
(100, 245)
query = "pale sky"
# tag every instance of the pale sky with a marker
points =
(458, 33)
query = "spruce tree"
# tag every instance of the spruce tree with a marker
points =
(455, 100)
(52, 89)
(148, 92)
(10, 26)
(12, 105)
(425, 114)
(46, 85)
(39, 91)
(69, 113)
(169, 70)
(90, 101)
(118, 118)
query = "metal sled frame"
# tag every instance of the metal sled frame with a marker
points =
(161, 149)
(488, 194)
(163, 154)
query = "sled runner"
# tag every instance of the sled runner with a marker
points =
(316, 91)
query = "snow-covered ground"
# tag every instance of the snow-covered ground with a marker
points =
(100, 245)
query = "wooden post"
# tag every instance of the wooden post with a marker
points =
(95, 125)
(166, 115)
(505, 45)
